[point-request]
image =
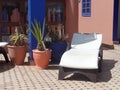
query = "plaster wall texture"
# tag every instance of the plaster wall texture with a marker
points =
(101, 20)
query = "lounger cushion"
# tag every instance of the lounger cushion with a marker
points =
(91, 41)
(81, 59)
(3, 44)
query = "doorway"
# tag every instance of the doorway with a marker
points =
(116, 22)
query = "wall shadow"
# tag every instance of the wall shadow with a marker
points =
(5, 66)
(53, 67)
(107, 66)
(104, 76)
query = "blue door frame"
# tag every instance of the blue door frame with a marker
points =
(115, 21)
(36, 10)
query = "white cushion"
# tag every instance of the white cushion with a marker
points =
(80, 38)
(3, 44)
(91, 44)
(81, 59)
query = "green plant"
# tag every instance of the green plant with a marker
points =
(56, 33)
(38, 33)
(17, 38)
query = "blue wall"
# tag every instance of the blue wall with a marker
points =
(115, 22)
(36, 10)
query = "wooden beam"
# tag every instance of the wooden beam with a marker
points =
(9, 24)
(12, 0)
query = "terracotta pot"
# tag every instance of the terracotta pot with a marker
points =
(41, 58)
(17, 54)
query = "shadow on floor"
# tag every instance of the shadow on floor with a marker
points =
(26, 64)
(50, 66)
(5, 66)
(107, 66)
(104, 76)
(53, 67)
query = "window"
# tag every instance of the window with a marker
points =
(86, 8)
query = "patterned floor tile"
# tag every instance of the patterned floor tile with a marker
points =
(27, 77)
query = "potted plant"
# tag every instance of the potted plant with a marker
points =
(41, 54)
(17, 46)
(56, 40)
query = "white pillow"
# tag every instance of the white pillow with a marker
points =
(2, 44)
(91, 44)
(79, 38)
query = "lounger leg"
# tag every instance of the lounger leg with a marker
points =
(61, 73)
(4, 54)
(99, 66)
(100, 61)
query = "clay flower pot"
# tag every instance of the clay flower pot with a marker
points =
(41, 58)
(17, 54)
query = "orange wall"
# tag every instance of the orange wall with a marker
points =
(71, 17)
(101, 20)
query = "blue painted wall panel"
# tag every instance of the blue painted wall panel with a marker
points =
(115, 22)
(36, 10)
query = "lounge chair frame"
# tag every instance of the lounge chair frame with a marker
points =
(91, 74)
(3, 51)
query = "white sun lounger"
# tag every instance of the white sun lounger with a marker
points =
(2, 50)
(85, 56)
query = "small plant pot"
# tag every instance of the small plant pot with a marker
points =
(41, 58)
(17, 54)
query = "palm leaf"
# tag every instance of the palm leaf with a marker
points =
(38, 33)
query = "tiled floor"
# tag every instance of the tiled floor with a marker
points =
(27, 77)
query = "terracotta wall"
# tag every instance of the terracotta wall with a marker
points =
(101, 20)
(71, 17)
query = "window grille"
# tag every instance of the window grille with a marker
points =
(86, 8)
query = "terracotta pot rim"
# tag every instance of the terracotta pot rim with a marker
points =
(36, 50)
(15, 46)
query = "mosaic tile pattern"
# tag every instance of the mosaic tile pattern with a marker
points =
(27, 77)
